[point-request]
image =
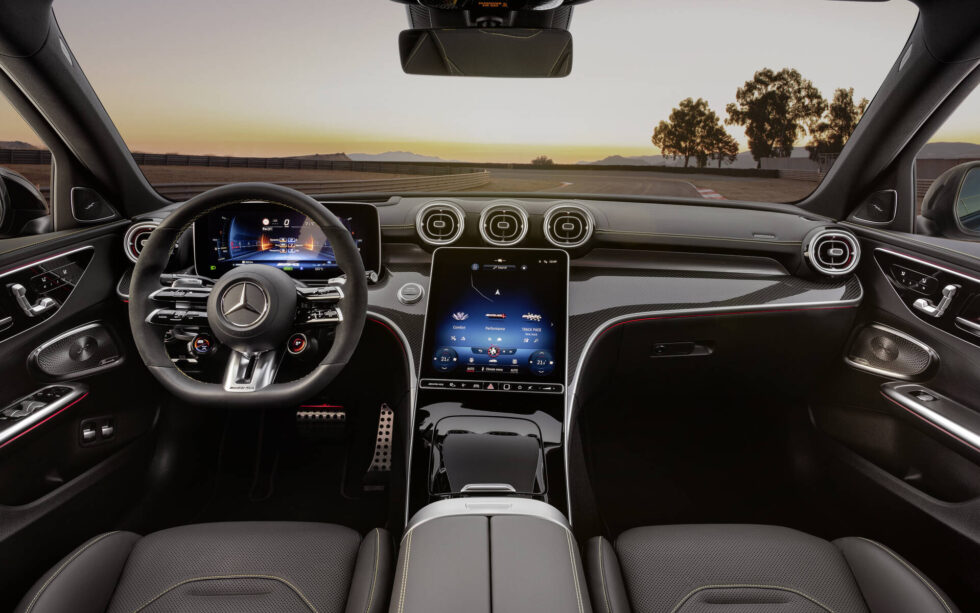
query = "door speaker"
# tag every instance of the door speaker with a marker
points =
(887, 352)
(77, 353)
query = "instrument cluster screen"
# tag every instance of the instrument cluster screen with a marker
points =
(496, 320)
(262, 233)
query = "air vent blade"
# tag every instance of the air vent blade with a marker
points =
(568, 225)
(440, 223)
(833, 252)
(503, 224)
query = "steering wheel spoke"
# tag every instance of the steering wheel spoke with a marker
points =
(319, 306)
(250, 372)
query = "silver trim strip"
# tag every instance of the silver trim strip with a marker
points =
(924, 263)
(503, 205)
(502, 488)
(907, 401)
(572, 388)
(487, 507)
(973, 328)
(589, 229)
(15, 429)
(933, 356)
(460, 218)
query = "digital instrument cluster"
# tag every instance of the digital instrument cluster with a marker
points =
(265, 233)
(496, 320)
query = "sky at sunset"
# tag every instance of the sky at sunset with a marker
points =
(292, 77)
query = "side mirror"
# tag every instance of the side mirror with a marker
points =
(951, 207)
(23, 209)
(487, 52)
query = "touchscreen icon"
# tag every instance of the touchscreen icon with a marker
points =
(460, 316)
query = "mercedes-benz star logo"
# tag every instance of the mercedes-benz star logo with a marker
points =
(244, 304)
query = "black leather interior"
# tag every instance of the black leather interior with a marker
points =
(222, 568)
(730, 568)
(479, 564)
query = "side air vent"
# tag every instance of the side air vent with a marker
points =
(568, 225)
(833, 252)
(503, 224)
(440, 223)
(136, 237)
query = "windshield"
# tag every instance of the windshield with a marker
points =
(310, 90)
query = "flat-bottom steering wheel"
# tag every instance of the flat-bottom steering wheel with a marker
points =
(252, 308)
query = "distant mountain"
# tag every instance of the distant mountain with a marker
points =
(16, 144)
(395, 156)
(743, 160)
(327, 157)
(953, 151)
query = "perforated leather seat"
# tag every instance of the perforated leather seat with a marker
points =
(222, 568)
(762, 569)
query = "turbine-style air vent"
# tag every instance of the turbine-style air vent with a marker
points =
(440, 223)
(833, 252)
(136, 237)
(503, 224)
(568, 225)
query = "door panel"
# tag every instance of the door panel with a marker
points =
(900, 425)
(76, 442)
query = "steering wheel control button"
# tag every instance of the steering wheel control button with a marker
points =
(297, 344)
(244, 304)
(410, 293)
(202, 344)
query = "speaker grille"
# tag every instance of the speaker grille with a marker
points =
(80, 352)
(890, 353)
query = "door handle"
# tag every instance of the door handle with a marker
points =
(31, 310)
(937, 310)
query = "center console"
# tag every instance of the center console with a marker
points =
(491, 394)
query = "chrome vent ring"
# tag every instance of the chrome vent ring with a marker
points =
(503, 224)
(440, 223)
(568, 225)
(136, 236)
(833, 252)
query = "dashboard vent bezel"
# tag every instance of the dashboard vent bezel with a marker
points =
(516, 211)
(129, 247)
(817, 260)
(453, 211)
(587, 233)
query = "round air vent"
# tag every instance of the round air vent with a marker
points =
(503, 224)
(833, 252)
(136, 237)
(568, 225)
(440, 223)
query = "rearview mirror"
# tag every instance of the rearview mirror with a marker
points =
(487, 52)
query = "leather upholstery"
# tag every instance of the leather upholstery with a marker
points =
(222, 568)
(479, 564)
(735, 568)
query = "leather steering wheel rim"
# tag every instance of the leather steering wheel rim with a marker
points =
(152, 264)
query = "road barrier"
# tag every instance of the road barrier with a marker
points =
(443, 183)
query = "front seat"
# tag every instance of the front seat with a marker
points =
(741, 568)
(222, 568)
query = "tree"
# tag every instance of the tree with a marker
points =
(776, 108)
(831, 134)
(725, 147)
(542, 160)
(692, 131)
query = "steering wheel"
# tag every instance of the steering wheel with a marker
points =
(252, 309)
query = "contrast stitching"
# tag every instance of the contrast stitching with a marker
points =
(219, 578)
(678, 606)
(408, 555)
(374, 581)
(912, 570)
(571, 557)
(602, 578)
(65, 565)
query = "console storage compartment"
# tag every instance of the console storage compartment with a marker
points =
(504, 555)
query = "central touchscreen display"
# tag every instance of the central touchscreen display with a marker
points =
(496, 320)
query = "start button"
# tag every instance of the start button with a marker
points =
(410, 293)
(297, 343)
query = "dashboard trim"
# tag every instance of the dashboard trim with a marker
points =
(572, 388)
